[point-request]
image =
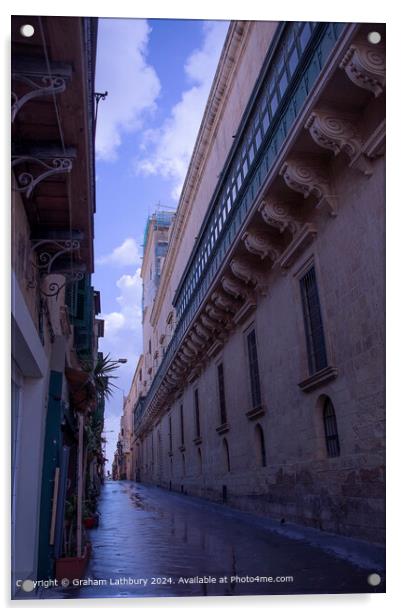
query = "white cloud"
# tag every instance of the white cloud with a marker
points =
(123, 327)
(128, 253)
(130, 299)
(123, 338)
(132, 84)
(114, 321)
(167, 151)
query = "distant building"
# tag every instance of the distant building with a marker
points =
(261, 383)
(156, 241)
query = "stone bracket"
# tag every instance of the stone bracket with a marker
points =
(278, 214)
(364, 64)
(256, 243)
(336, 131)
(309, 177)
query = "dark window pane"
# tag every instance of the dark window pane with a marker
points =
(197, 413)
(304, 36)
(254, 371)
(293, 61)
(222, 400)
(263, 457)
(181, 424)
(274, 104)
(283, 83)
(317, 353)
(331, 430)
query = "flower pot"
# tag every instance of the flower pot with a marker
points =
(73, 567)
(90, 522)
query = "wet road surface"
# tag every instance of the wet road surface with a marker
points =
(151, 542)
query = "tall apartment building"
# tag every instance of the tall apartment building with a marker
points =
(261, 383)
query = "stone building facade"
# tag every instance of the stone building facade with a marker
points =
(269, 395)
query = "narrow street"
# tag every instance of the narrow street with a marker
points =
(146, 532)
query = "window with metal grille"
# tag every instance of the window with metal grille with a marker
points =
(254, 371)
(316, 349)
(181, 424)
(222, 400)
(197, 413)
(331, 429)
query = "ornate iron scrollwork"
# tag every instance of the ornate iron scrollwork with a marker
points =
(44, 265)
(27, 182)
(41, 85)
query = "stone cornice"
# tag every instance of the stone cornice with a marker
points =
(237, 35)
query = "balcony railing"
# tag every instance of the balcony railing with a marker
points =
(292, 66)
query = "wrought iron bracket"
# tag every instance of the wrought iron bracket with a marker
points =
(26, 182)
(39, 85)
(45, 253)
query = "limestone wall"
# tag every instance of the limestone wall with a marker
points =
(300, 482)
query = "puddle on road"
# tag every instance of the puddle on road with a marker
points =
(146, 532)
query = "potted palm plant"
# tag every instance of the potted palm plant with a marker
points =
(88, 388)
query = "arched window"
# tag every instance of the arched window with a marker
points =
(331, 429)
(262, 457)
(227, 456)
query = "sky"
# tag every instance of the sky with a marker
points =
(158, 75)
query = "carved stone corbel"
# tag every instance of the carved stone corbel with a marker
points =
(209, 323)
(187, 352)
(190, 344)
(279, 215)
(223, 302)
(364, 64)
(215, 313)
(197, 340)
(202, 331)
(310, 178)
(177, 369)
(337, 132)
(179, 361)
(233, 287)
(258, 244)
(243, 270)
(170, 380)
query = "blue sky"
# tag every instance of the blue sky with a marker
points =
(158, 74)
